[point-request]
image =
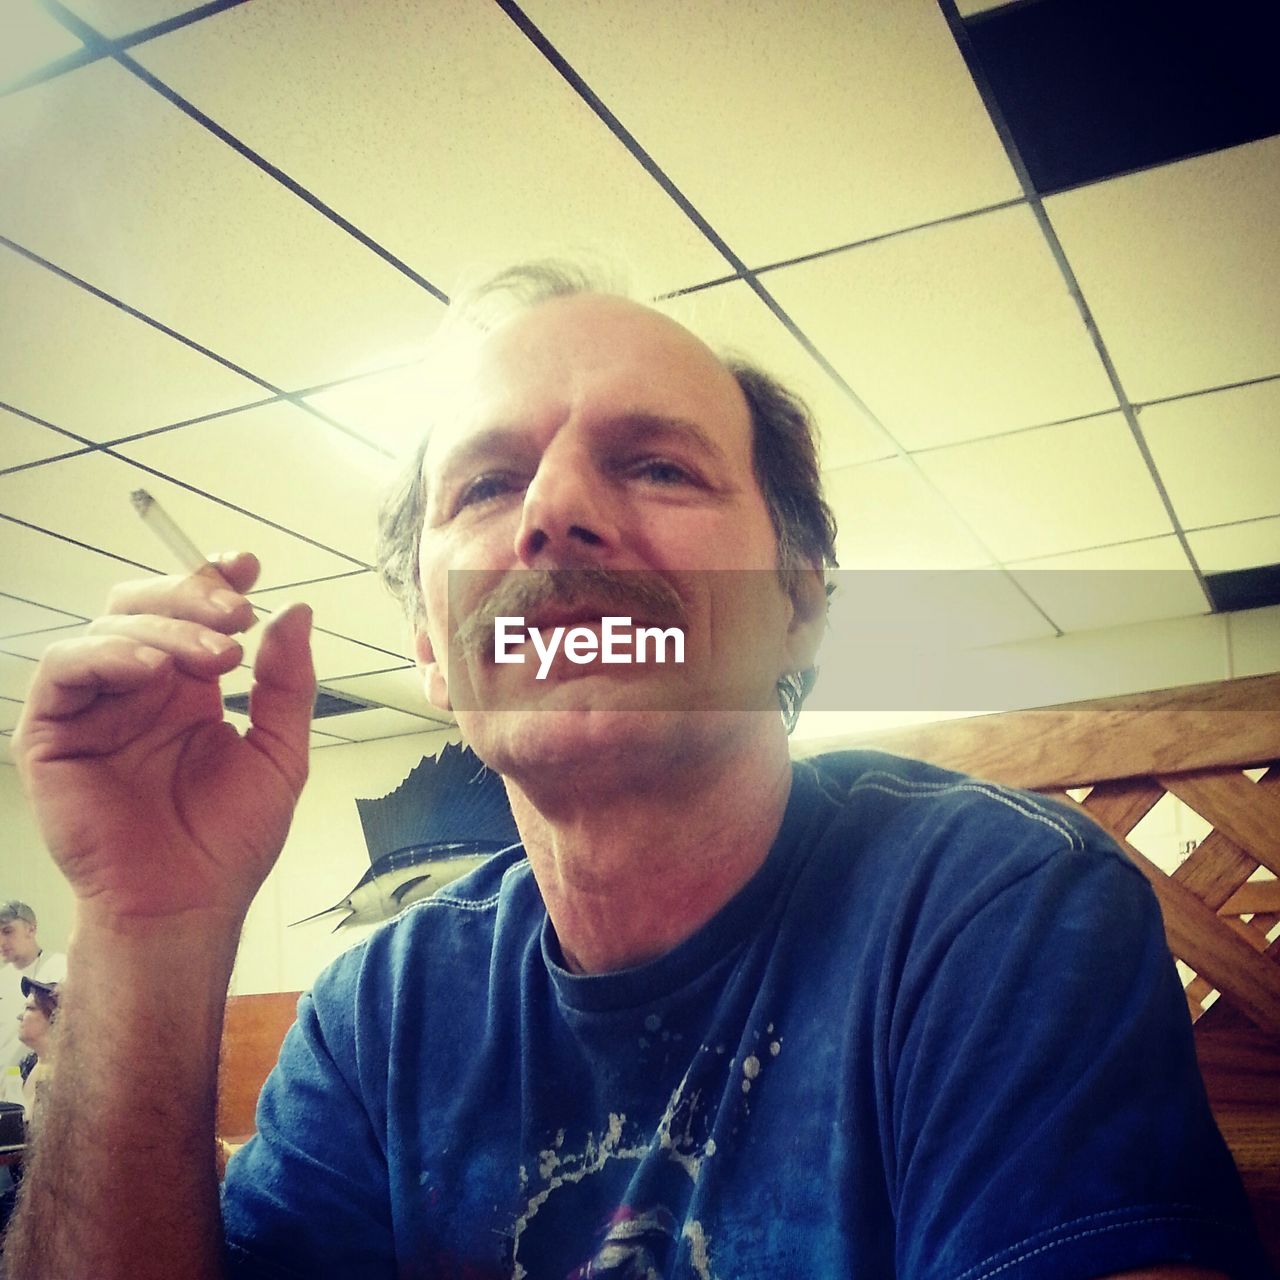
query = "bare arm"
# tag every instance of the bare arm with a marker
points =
(122, 1181)
(165, 821)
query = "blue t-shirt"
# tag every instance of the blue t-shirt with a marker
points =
(938, 1035)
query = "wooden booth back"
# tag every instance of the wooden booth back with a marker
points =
(251, 1037)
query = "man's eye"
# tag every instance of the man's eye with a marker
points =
(485, 488)
(660, 471)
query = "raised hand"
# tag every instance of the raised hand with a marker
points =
(152, 804)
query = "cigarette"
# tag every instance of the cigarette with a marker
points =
(158, 520)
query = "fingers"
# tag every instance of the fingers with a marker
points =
(214, 597)
(284, 689)
(238, 569)
(75, 673)
(197, 650)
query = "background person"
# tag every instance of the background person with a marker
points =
(23, 958)
(35, 1030)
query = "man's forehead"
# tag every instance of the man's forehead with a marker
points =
(589, 352)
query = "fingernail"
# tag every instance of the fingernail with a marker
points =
(225, 601)
(215, 643)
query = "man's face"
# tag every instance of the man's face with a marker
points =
(18, 943)
(594, 433)
(32, 1024)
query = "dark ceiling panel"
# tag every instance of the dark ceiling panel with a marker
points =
(1093, 88)
(1244, 588)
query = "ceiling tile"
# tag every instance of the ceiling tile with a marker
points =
(34, 643)
(15, 675)
(400, 689)
(283, 464)
(1114, 586)
(114, 18)
(461, 147)
(1237, 546)
(87, 498)
(17, 617)
(1088, 89)
(889, 518)
(1056, 489)
(31, 39)
(967, 8)
(388, 407)
(334, 657)
(317, 740)
(1172, 258)
(952, 332)
(733, 320)
(22, 442)
(87, 367)
(792, 127)
(10, 710)
(380, 722)
(51, 571)
(186, 230)
(1219, 454)
(357, 606)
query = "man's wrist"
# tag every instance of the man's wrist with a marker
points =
(192, 947)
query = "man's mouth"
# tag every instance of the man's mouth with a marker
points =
(547, 599)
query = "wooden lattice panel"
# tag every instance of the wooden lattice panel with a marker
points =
(1217, 916)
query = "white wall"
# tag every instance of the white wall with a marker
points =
(1079, 666)
(323, 858)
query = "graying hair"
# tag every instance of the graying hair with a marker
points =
(784, 451)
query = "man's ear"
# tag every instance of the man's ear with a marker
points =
(432, 674)
(807, 590)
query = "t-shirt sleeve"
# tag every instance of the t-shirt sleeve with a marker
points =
(1047, 1116)
(307, 1196)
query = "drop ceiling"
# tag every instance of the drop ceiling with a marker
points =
(1021, 259)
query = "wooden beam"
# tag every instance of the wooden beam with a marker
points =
(1229, 722)
(1216, 868)
(1120, 806)
(1250, 979)
(1252, 897)
(1246, 812)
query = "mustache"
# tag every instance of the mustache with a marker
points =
(529, 591)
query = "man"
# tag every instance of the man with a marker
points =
(23, 957)
(718, 1017)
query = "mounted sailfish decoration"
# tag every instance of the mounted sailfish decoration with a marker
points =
(444, 819)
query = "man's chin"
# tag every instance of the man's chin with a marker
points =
(570, 723)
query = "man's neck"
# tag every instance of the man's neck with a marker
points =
(22, 965)
(628, 872)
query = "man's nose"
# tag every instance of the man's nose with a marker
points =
(568, 518)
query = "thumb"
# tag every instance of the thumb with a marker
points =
(284, 690)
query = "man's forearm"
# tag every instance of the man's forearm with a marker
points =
(122, 1181)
